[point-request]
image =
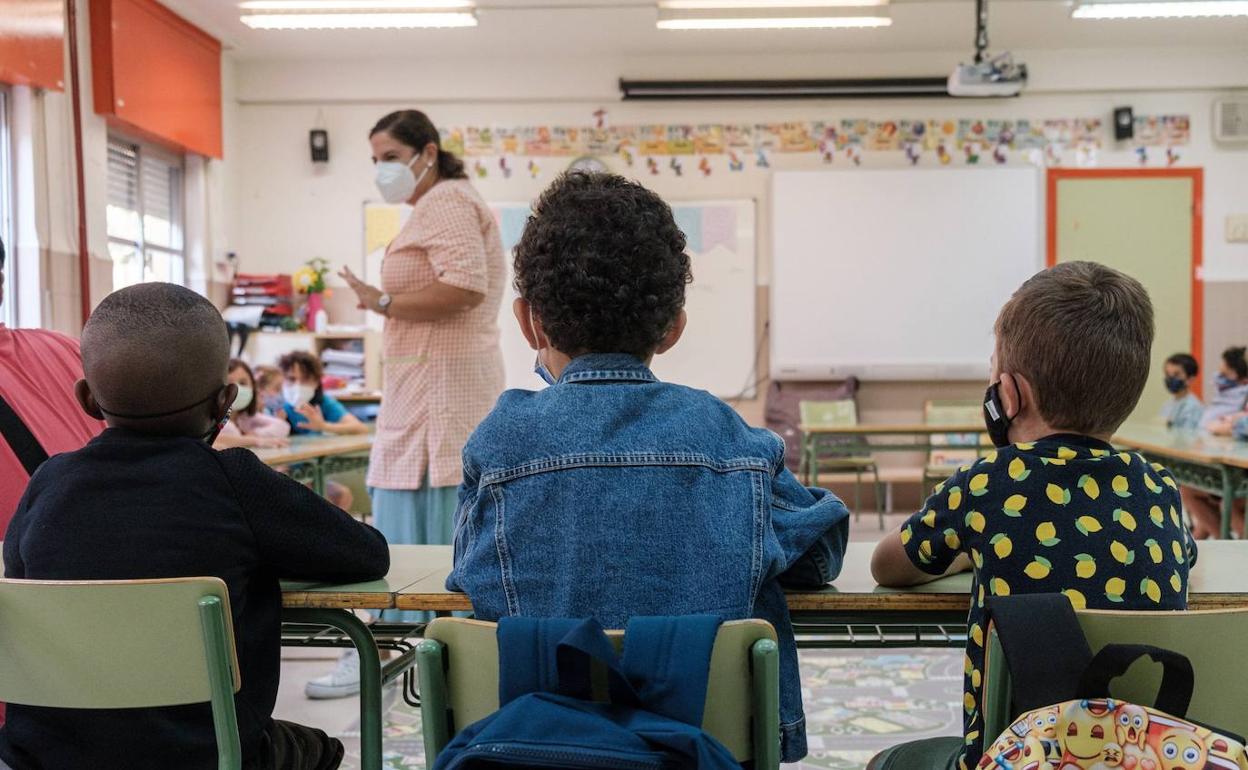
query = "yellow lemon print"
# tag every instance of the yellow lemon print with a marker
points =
(1086, 524)
(1153, 486)
(951, 539)
(1100, 452)
(981, 597)
(976, 521)
(929, 518)
(1052, 461)
(1114, 588)
(1026, 446)
(1157, 516)
(1156, 466)
(1066, 453)
(1057, 495)
(906, 534)
(1018, 469)
(1125, 457)
(1121, 553)
(955, 498)
(1149, 588)
(971, 737)
(1046, 534)
(1174, 518)
(977, 558)
(1001, 545)
(977, 635)
(1169, 482)
(1000, 587)
(1039, 568)
(967, 665)
(936, 490)
(968, 703)
(1014, 505)
(1090, 487)
(1125, 519)
(1176, 582)
(1077, 599)
(1177, 549)
(1154, 551)
(1120, 486)
(979, 484)
(989, 458)
(976, 679)
(1085, 566)
(925, 551)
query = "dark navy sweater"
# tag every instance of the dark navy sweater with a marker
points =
(129, 506)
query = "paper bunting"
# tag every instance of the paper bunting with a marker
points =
(1172, 156)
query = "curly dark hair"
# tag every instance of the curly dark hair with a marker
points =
(603, 265)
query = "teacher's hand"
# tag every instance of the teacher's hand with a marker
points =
(366, 296)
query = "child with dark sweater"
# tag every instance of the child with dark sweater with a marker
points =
(150, 498)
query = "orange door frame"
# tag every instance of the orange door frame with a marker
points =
(1196, 175)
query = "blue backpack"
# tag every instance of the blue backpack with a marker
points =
(546, 719)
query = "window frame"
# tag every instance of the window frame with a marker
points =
(8, 301)
(177, 208)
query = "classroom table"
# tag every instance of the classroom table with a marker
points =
(1214, 464)
(312, 459)
(854, 440)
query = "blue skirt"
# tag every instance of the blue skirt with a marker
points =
(424, 516)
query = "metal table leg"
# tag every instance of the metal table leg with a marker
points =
(370, 674)
(1228, 501)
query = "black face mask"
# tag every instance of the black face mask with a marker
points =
(1175, 384)
(995, 418)
(210, 437)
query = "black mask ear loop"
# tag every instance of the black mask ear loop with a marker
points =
(995, 418)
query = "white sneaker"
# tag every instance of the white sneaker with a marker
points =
(343, 682)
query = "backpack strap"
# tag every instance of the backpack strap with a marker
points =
(30, 453)
(1051, 675)
(528, 655)
(668, 661)
(1177, 679)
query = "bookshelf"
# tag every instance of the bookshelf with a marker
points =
(268, 347)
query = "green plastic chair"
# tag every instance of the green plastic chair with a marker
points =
(458, 661)
(838, 414)
(951, 451)
(1209, 638)
(112, 644)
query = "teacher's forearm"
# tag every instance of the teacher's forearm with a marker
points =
(433, 303)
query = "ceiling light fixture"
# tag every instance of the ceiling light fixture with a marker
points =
(1159, 9)
(783, 14)
(357, 14)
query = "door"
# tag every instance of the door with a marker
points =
(1146, 223)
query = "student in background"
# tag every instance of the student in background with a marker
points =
(269, 390)
(625, 495)
(150, 498)
(1054, 508)
(248, 426)
(308, 408)
(1232, 384)
(1184, 410)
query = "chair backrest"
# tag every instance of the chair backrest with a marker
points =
(1209, 638)
(109, 643)
(953, 449)
(830, 414)
(472, 675)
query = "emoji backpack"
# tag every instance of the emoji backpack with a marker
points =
(1086, 729)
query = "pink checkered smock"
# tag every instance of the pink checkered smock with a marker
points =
(441, 377)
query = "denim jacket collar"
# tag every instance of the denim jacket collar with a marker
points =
(606, 367)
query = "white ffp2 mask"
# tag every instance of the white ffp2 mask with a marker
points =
(396, 182)
(298, 394)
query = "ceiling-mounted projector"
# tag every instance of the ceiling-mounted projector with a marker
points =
(987, 77)
(999, 76)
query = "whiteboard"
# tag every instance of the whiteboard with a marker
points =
(718, 350)
(897, 274)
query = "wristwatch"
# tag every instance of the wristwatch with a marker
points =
(383, 304)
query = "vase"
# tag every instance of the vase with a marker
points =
(315, 311)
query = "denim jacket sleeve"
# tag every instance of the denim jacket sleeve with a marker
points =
(809, 530)
(465, 531)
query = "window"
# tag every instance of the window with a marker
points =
(8, 307)
(144, 214)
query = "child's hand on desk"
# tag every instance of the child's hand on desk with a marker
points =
(316, 420)
(1222, 426)
(271, 442)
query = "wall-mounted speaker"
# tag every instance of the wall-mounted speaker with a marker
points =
(318, 140)
(1124, 124)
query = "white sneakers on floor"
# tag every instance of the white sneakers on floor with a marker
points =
(343, 682)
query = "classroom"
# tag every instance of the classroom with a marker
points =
(816, 384)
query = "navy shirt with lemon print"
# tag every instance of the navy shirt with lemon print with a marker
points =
(1064, 514)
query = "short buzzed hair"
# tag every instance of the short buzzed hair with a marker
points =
(152, 348)
(1082, 334)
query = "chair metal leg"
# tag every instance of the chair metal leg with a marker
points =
(857, 494)
(765, 684)
(434, 715)
(221, 678)
(879, 495)
(370, 674)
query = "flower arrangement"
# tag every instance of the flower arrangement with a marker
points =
(310, 279)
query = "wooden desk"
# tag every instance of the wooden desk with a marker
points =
(317, 457)
(1214, 464)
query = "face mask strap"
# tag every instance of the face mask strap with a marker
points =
(186, 408)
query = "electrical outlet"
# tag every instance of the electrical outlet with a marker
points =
(1237, 228)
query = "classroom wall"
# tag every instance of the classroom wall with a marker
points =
(288, 210)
